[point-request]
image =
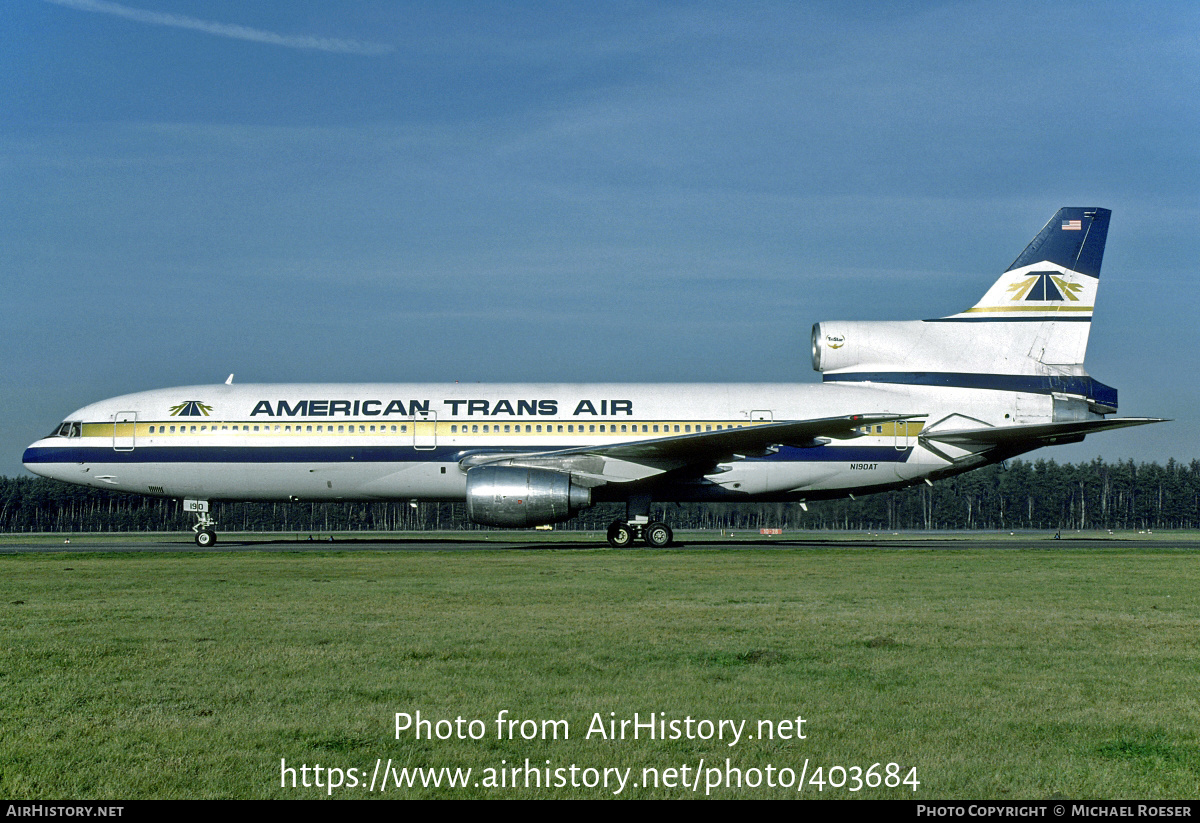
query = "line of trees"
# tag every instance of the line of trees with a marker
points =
(1021, 495)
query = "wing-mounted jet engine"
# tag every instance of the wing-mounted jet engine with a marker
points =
(518, 497)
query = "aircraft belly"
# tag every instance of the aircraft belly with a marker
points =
(745, 478)
(315, 481)
(797, 470)
(418, 481)
(265, 481)
(790, 476)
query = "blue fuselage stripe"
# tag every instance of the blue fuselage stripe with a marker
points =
(1057, 318)
(1032, 383)
(387, 454)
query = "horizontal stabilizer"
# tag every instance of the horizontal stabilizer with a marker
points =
(1043, 434)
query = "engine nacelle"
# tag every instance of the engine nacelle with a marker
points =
(875, 344)
(932, 346)
(516, 497)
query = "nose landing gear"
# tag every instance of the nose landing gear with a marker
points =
(206, 536)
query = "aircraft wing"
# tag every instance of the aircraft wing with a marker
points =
(635, 460)
(748, 440)
(1043, 433)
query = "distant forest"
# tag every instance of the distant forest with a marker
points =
(1020, 495)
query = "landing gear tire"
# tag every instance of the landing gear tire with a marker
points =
(658, 535)
(620, 535)
(206, 538)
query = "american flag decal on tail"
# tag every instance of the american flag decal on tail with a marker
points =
(1072, 225)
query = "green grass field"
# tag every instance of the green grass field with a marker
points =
(994, 674)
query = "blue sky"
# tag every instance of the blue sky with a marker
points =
(383, 191)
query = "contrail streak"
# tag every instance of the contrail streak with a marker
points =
(227, 29)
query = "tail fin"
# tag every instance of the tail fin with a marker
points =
(1056, 277)
(1042, 305)
(1073, 239)
(1029, 333)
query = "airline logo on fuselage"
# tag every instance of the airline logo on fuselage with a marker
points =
(190, 408)
(450, 408)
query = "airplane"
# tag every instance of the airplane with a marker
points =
(900, 403)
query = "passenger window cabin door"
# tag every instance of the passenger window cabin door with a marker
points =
(124, 431)
(424, 425)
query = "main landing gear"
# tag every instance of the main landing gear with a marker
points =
(622, 534)
(637, 526)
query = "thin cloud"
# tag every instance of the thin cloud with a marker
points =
(237, 32)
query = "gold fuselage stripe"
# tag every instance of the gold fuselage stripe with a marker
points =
(1044, 309)
(441, 428)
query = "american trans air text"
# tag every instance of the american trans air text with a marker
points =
(457, 408)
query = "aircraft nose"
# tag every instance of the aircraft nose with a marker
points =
(29, 459)
(37, 461)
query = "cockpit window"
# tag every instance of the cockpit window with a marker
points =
(69, 428)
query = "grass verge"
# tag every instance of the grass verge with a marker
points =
(1015, 674)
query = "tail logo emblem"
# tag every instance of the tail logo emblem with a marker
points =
(190, 408)
(1044, 285)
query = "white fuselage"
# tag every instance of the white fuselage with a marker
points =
(407, 441)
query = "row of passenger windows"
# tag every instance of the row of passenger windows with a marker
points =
(591, 428)
(318, 428)
(73, 429)
(475, 428)
(911, 427)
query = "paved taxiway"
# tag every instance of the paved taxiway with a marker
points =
(457, 544)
